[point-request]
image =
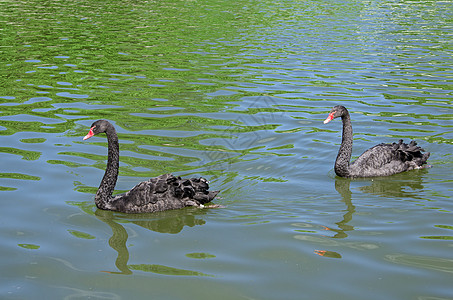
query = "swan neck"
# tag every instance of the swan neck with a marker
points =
(345, 152)
(107, 186)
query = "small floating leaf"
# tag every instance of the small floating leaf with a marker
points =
(326, 253)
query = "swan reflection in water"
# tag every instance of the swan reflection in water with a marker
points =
(404, 185)
(401, 185)
(171, 222)
(342, 187)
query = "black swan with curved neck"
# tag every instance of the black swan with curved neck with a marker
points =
(380, 160)
(156, 194)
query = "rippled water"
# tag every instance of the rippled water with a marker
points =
(236, 92)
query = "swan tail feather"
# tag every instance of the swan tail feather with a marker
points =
(411, 152)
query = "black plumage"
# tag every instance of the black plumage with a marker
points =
(156, 194)
(380, 160)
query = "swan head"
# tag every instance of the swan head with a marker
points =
(98, 127)
(337, 111)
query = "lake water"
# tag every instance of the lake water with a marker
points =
(235, 91)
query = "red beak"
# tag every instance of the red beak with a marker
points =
(90, 134)
(329, 118)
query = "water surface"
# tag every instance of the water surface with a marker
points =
(235, 92)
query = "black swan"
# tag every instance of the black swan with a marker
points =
(157, 194)
(380, 160)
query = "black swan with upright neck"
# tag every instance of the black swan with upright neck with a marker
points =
(156, 194)
(380, 160)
